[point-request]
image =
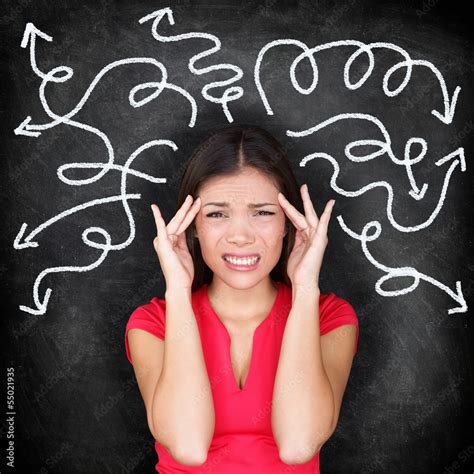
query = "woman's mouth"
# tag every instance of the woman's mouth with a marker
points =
(242, 264)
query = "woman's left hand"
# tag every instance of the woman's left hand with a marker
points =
(305, 260)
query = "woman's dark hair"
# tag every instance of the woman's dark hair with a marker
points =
(226, 152)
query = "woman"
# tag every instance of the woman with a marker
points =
(252, 371)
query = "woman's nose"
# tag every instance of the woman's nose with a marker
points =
(240, 229)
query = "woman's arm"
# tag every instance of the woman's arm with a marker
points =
(182, 403)
(174, 383)
(303, 403)
(311, 378)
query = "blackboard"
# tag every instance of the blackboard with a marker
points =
(372, 100)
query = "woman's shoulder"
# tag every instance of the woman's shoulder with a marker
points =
(150, 316)
(332, 298)
(332, 302)
(335, 311)
(153, 308)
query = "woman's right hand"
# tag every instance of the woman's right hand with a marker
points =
(171, 247)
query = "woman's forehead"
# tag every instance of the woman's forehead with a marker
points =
(239, 197)
(240, 188)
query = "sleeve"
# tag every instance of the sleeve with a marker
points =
(334, 312)
(150, 317)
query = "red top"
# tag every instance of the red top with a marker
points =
(243, 441)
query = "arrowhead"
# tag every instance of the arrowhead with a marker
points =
(43, 306)
(159, 14)
(418, 195)
(456, 153)
(22, 129)
(449, 108)
(18, 244)
(30, 30)
(462, 308)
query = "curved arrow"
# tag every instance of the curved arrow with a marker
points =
(383, 184)
(29, 36)
(231, 93)
(384, 147)
(362, 48)
(42, 304)
(22, 242)
(397, 272)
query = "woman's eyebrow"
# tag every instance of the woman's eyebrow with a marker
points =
(251, 205)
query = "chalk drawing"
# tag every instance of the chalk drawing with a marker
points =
(231, 93)
(396, 272)
(415, 150)
(449, 104)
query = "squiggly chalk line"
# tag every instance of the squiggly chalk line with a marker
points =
(231, 93)
(42, 304)
(63, 73)
(363, 48)
(397, 272)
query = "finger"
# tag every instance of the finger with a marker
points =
(322, 228)
(175, 222)
(190, 215)
(311, 215)
(160, 223)
(299, 221)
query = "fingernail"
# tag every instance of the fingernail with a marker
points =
(306, 186)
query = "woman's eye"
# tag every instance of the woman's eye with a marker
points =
(211, 214)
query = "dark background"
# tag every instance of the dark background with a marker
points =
(409, 401)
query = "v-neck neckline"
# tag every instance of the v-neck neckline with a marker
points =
(229, 340)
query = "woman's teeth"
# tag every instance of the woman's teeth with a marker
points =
(242, 261)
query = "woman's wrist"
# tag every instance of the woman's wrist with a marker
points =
(177, 293)
(305, 291)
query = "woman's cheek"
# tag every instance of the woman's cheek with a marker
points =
(271, 232)
(215, 227)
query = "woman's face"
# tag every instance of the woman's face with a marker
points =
(238, 228)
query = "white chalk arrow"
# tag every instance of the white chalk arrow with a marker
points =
(456, 153)
(397, 272)
(22, 242)
(449, 103)
(230, 93)
(384, 146)
(407, 63)
(415, 192)
(449, 107)
(23, 130)
(362, 48)
(29, 36)
(456, 156)
(41, 305)
(63, 73)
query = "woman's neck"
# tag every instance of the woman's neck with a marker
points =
(242, 305)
